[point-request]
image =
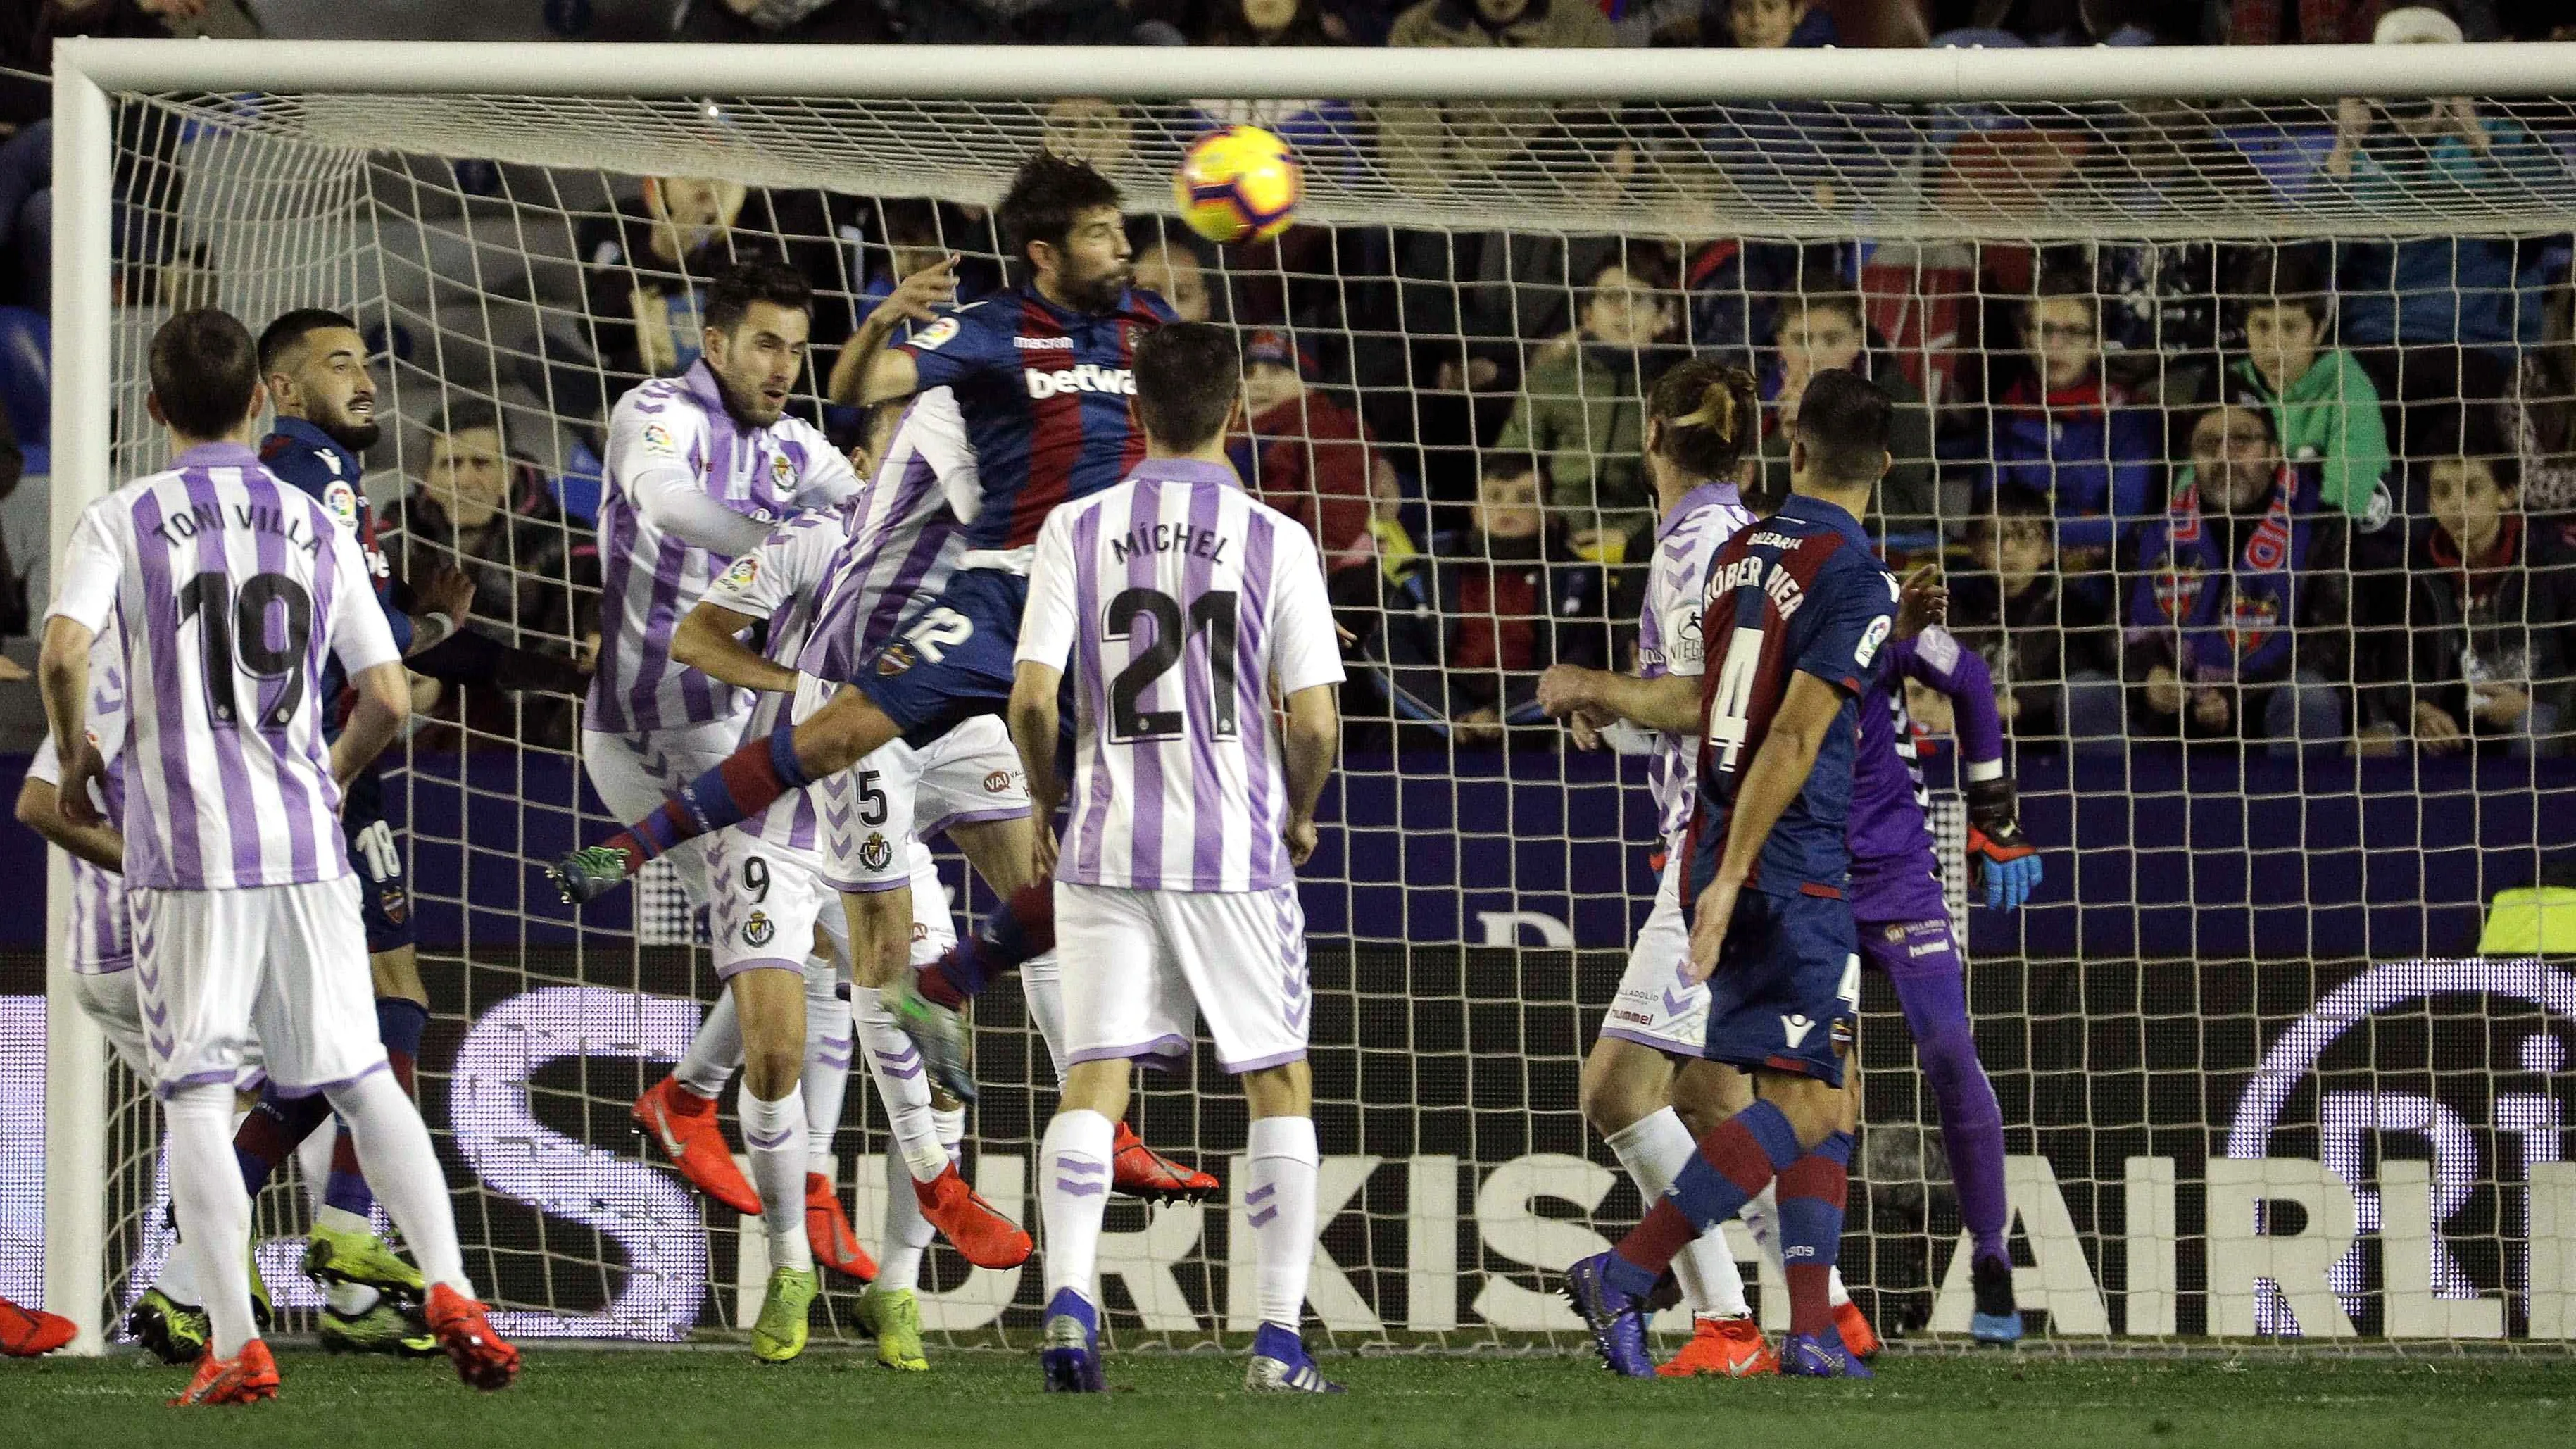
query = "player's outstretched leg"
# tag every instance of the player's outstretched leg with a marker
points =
(393, 1146)
(678, 1113)
(32, 1332)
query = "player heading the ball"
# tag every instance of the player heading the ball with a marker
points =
(1184, 612)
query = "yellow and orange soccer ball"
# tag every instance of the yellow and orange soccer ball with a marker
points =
(1239, 184)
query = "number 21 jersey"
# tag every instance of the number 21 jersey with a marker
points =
(1798, 593)
(228, 591)
(1184, 606)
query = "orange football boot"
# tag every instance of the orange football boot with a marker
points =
(1732, 1348)
(32, 1332)
(483, 1358)
(683, 1125)
(827, 1231)
(1858, 1337)
(1139, 1171)
(981, 1234)
(246, 1378)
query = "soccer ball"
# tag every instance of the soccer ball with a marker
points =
(1239, 184)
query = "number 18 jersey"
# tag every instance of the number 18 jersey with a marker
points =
(228, 591)
(1184, 606)
(1799, 593)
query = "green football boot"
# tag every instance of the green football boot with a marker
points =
(333, 1256)
(175, 1332)
(587, 874)
(894, 1316)
(384, 1329)
(780, 1333)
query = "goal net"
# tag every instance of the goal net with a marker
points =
(2256, 1078)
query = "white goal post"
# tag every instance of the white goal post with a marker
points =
(851, 120)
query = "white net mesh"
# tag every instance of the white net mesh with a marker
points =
(2218, 931)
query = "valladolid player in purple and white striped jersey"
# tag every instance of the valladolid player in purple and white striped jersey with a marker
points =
(228, 591)
(1184, 613)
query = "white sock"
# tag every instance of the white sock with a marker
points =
(714, 1052)
(178, 1277)
(403, 1171)
(902, 1085)
(1280, 1196)
(1654, 1149)
(775, 1134)
(1762, 1217)
(949, 1126)
(1042, 991)
(313, 1163)
(1073, 1196)
(214, 1211)
(829, 1040)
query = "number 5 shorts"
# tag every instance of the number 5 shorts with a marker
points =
(906, 791)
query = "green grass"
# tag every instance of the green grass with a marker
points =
(630, 1400)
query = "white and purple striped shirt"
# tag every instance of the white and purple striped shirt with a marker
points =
(674, 435)
(102, 939)
(1668, 637)
(904, 537)
(782, 581)
(1185, 607)
(229, 591)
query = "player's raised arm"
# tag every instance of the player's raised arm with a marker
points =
(868, 371)
(1667, 702)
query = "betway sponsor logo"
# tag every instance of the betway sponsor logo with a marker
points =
(1089, 377)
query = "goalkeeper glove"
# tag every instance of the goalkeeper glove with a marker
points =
(1999, 855)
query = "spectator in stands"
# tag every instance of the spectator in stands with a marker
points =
(2324, 407)
(2439, 300)
(485, 510)
(910, 228)
(2240, 623)
(1326, 133)
(1087, 128)
(2544, 410)
(2052, 650)
(1172, 269)
(1582, 410)
(1469, 631)
(1425, 144)
(1828, 330)
(1309, 456)
(2060, 432)
(2481, 652)
(1795, 153)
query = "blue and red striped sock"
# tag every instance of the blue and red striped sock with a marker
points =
(1811, 1230)
(743, 784)
(275, 1126)
(1016, 930)
(1736, 1160)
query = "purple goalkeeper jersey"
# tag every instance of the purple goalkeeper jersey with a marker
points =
(1895, 876)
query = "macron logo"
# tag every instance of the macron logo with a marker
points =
(1089, 377)
(1041, 344)
(1795, 1028)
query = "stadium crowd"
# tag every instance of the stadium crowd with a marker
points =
(2293, 494)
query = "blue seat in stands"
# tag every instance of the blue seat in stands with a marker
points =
(26, 383)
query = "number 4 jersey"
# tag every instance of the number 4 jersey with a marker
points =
(1798, 593)
(229, 591)
(1185, 607)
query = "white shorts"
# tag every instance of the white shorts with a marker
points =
(267, 972)
(1142, 968)
(108, 1000)
(1657, 1005)
(771, 899)
(635, 773)
(967, 775)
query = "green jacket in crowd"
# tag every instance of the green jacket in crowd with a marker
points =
(2329, 417)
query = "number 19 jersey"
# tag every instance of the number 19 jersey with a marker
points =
(1799, 593)
(1184, 606)
(228, 591)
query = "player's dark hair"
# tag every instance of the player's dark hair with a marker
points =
(1843, 420)
(1045, 197)
(1709, 413)
(289, 331)
(732, 291)
(1187, 377)
(204, 371)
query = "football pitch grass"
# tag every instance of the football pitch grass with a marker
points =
(720, 1398)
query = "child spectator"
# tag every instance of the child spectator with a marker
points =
(1172, 270)
(2060, 432)
(1311, 457)
(1582, 411)
(2325, 409)
(2481, 652)
(1469, 631)
(1829, 330)
(2052, 651)
(2240, 626)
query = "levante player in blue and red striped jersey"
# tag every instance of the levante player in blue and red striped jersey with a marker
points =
(1798, 613)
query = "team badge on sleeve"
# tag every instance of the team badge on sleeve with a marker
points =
(1870, 639)
(342, 502)
(659, 437)
(932, 337)
(782, 470)
(744, 573)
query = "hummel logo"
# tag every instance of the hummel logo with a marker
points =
(1795, 1027)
